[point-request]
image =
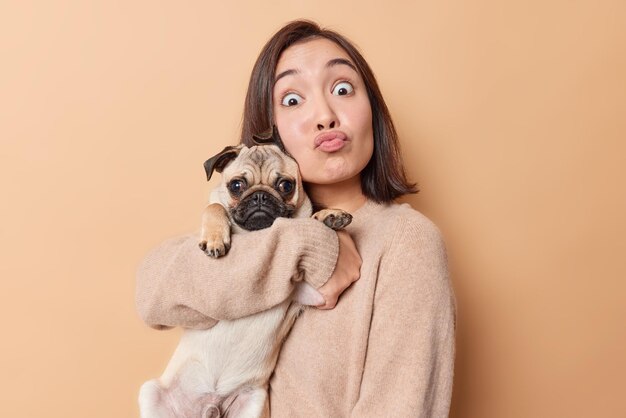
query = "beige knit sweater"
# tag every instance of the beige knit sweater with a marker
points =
(385, 350)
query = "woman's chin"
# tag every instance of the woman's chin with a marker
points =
(329, 178)
(336, 172)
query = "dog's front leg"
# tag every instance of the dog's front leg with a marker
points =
(215, 232)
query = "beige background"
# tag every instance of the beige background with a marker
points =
(512, 119)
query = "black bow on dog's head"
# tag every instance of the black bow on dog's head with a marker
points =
(269, 137)
(218, 162)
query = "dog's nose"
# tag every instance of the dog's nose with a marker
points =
(260, 198)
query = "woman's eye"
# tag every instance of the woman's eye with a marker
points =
(291, 99)
(343, 89)
(285, 186)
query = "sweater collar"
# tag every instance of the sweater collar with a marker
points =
(368, 209)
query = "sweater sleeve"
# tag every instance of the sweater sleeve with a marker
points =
(409, 364)
(178, 285)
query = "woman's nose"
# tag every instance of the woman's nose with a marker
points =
(326, 117)
(321, 127)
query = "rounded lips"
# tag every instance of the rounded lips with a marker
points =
(329, 136)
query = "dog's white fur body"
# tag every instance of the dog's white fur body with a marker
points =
(231, 361)
(226, 369)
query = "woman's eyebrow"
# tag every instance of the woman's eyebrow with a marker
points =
(329, 64)
(285, 73)
(340, 61)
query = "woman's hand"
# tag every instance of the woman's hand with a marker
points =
(347, 271)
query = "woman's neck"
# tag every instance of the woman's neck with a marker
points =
(346, 195)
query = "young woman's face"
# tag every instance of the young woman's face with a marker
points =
(322, 112)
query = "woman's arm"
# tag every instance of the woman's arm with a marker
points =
(410, 356)
(179, 285)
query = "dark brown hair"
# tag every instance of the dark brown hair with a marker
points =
(384, 178)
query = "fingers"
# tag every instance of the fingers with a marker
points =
(330, 295)
(347, 271)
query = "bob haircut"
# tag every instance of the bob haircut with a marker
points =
(384, 177)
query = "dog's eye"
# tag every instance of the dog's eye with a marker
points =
(285, 186)
(237, 186)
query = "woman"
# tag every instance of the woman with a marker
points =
(387, 348)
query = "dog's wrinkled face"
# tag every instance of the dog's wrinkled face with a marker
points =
(259, 184)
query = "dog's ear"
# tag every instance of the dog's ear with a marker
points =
(271, 137)
(218, 162)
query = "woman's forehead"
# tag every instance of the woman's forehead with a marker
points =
(315, 53)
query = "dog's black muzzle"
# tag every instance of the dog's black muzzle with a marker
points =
(259, 210)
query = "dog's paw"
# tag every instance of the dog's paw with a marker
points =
(215, 231)
(336, 219)
(216, 247)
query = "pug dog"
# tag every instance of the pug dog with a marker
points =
(224, 371)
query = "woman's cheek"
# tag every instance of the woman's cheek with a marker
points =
(307, 169)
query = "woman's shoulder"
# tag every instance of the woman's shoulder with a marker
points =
(408, 223)
(416, 251)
